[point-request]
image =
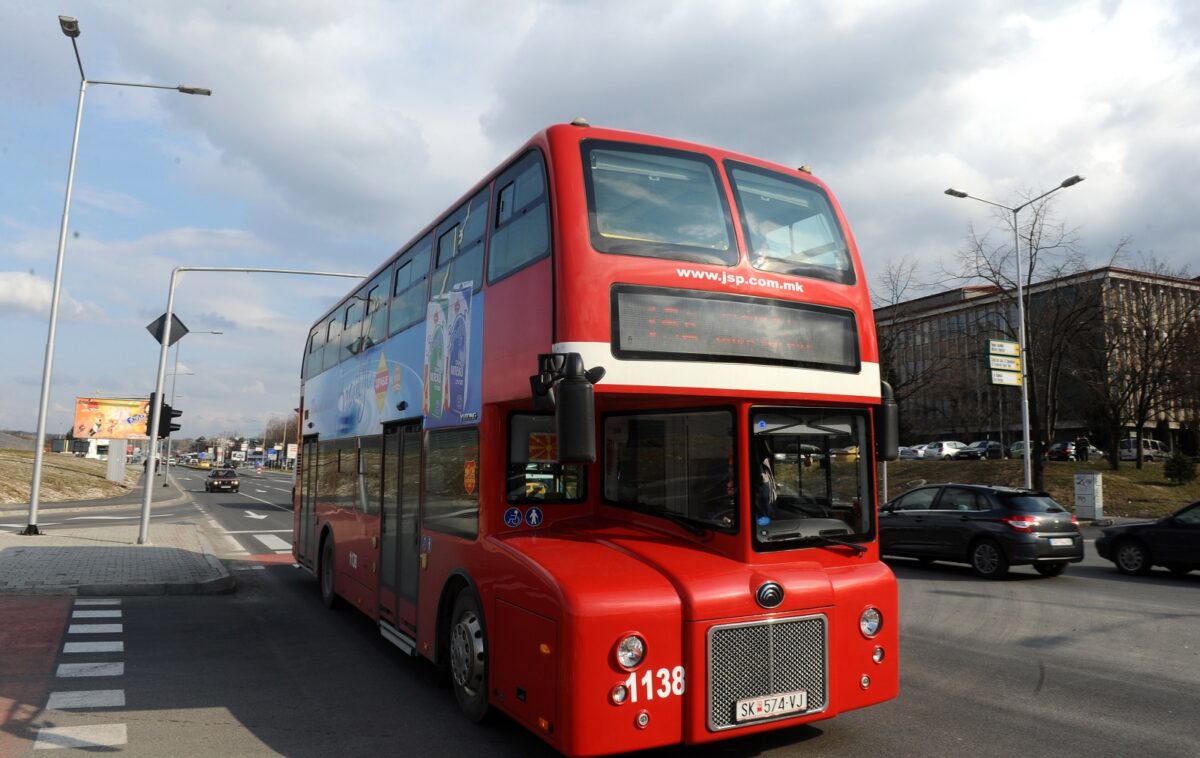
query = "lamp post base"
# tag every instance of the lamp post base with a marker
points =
(31, 531)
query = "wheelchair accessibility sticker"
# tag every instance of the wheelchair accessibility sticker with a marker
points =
(512, 518)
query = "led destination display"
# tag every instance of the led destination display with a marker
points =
(692, 326)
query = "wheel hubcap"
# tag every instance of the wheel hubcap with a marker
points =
(985, 559)
(466, 652)
(1131, 558)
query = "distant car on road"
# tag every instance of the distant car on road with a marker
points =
(908, 453)
(222, 479)
(989, 528)
(1173, 542)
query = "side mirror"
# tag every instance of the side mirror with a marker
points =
(575, 419)
(887, 425)
(562, 384)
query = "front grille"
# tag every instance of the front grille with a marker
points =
(765, 658)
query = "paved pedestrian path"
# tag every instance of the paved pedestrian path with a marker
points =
(106, 560)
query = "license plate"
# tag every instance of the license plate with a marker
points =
(771, 705)
(1061, 542)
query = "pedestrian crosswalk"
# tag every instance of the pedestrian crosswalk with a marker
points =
(94, 617)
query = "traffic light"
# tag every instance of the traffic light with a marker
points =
(150, 413)
(166, 419)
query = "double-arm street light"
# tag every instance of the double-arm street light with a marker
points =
(1027, 453)
(70, 27)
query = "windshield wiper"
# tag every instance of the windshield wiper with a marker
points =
(678, 518)
(827, 540)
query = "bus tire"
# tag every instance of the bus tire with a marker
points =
(468, 656)
(325, 574)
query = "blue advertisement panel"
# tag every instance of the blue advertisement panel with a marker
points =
(430, 369)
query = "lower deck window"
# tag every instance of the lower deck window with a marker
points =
(452, 482)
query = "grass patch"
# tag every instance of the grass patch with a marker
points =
(1127, 492)
(64, 477)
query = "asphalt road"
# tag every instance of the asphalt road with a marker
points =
(1091, 663)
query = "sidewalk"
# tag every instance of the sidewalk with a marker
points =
(107, 560)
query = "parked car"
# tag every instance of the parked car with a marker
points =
(1173, 542)
(908, 453)
(1061, 451)
(989, 528)
(1016, 449)
(986, 449)
(943, 451)
(1152, 450)
(222, 479)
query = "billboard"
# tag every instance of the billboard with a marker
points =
(110, 418)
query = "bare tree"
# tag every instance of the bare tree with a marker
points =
(1053, 314)
(1146, 361)
(905, 361)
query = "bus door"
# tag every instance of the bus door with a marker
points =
(399, 556)
(305, 534)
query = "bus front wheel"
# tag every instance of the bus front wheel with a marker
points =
(468, 656)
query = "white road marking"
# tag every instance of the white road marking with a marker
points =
(97, 601)
(113, 668)
(259, 499)
(95, 628)
(261, 531)
(96, 615)
(86, 699)
(95, 735)
(115, 646)
(257, 567)
(117, 518)
(274, 543)
(252, 514)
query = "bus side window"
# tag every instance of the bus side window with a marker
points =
(375, 324)
(371, 462)
(452, 479)
(333, 341)
(352, 331)
(409, 294)
(522, 229)
(460, 245)
(312, 357)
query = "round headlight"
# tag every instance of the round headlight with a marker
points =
(870, 622)
(630, 651)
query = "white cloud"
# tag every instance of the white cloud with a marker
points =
(23, 294)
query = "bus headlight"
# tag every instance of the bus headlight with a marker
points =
(631, 650)
(870, 622)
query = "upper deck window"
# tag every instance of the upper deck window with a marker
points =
(656, 202)
(790, 225)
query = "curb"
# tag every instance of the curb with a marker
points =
(69, 506)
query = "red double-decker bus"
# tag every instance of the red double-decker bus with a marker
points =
(601, 441)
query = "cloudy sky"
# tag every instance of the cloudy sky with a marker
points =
(336, 130)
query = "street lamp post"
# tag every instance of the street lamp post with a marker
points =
(70, 27)
(1027, 453)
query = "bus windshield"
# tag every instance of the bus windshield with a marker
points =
(809, 477)
(657, 203)
(675, 465)
(790, 225)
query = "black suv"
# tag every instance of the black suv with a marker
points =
(990, 528)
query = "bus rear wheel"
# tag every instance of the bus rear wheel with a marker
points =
(325, 571)
(468, 656)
